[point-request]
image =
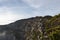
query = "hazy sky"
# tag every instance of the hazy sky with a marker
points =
(12, 10)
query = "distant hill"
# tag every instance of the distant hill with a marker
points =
(35, 28)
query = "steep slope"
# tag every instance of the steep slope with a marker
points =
(53, 28)
(35, 28)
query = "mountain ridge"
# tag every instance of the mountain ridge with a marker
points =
(34, 28)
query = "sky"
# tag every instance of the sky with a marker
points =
(12, 10)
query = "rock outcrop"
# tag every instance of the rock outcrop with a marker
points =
(28, 29)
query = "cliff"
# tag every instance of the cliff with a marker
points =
(35, 28)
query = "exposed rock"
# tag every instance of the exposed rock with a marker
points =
(25, 29)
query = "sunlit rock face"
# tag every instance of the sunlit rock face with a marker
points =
(25, 29)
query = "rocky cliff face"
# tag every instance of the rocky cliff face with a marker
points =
(26, 29)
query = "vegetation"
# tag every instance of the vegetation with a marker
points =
(35, 28)
(50, 28)
(53, 28)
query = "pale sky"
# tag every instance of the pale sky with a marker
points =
(12, 10)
